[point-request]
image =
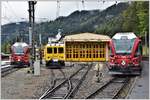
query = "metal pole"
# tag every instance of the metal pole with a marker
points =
(31, 31)
(30, 34)
(40, 50)
(30, 26)
(40, 39)
(33, 35)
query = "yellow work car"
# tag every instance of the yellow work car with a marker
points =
(54, 54)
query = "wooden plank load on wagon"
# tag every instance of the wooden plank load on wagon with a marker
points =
(86, 47)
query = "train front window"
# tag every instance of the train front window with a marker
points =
(19, 50)
(49, 50)
(60, 50)
(123, 46)
(55, 50)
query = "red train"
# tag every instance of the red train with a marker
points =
(125, 54)
(20, 54)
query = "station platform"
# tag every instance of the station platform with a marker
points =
(140, 89)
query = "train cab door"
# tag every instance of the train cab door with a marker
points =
(55, 54)
(61, 53)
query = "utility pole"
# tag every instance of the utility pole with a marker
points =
(31, 31)
(40, 50)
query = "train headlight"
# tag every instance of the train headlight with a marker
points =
(123, 62)
(18, 59)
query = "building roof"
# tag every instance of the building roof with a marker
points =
(87, 37)
(55, 44)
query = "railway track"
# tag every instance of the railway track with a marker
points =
(67, 88)
(111, 89)
(145, 58)
(7, 69)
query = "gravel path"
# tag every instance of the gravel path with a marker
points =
(90, 84)
(20, 85)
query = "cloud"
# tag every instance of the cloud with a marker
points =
(14, 11)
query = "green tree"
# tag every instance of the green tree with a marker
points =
(6, 47)
(143, 16)
(130, 19)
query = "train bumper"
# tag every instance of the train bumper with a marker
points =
(134, 70)
(54, 63)
(20, 63)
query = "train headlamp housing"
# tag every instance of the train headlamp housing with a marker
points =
(123, 62)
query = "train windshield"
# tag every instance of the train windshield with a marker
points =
(18, 50)
(123, 46)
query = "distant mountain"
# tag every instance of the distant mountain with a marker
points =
(76, 22)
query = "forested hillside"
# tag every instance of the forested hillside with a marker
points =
(123, 17)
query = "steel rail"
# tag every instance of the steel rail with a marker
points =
(100, 89)
(145, 58)
(125, 82)
(50, 91)
(78, 84)
(120, 89)
(5, 70)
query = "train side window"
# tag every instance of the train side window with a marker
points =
(67, 55)
(140, 48)
(60, 50)
(93, 55)
(55, 50)
(76, 55)
(73, 55)
(49, 50)
(138, 51)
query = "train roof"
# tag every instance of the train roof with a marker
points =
(87, 37)
(55, 44)
(23, 44)
(128, 35)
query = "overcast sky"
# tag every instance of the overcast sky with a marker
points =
(15, 11)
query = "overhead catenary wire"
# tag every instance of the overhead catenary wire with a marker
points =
(14, 17)
(116, 2)
(99, 5)
(5, 17)
(10, 7)
(12, 11)
(103, 1)
(83, 4)
(77, 4)
(58, 8)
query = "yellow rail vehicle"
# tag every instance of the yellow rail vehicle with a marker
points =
(54, 54)
(84, 47)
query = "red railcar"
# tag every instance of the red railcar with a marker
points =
(125, 54)
(20, 54)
